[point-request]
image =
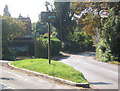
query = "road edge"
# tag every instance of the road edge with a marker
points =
(60, 80)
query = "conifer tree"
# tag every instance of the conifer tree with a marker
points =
(6, 11)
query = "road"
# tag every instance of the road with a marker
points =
(13, 79)
(100, 75)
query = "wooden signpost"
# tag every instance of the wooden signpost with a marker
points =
(48, 17)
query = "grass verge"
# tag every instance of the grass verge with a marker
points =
(114, 62)
(56, 69)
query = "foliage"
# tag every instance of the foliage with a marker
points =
(11, 28)
(56, 69)
(89, 14)
(6, 11)
(9, 54)
(79, 41)
(114, 62)
(42, 47)
(40, 28)
(48, 6)
(108, 48)
(103, 51)
(55, 47)
(97, 19)
(63, 23)
(90, 17)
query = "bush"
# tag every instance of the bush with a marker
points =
(41, 50)
(11, 28)
(104, 52)
(108, 48)
(71, 46)
(9, 55)
(78, 42)
(55, 47)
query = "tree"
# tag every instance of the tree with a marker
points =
(90, 15)
(40, 28)
(6, 11)
(103, 25)
(64, 23)
(11, 28)
(108, 48)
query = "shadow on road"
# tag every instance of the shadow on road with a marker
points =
(99, 83)
(3, 78)
(60, 58)
(67, 55)
(87, 54)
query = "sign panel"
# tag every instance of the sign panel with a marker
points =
(48, 16)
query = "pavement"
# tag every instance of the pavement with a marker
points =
(100, 75)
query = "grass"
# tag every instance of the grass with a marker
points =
(114, 62)
(56, 69)
(53, 39)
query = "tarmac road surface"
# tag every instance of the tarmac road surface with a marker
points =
(100, 75)
(13, 79)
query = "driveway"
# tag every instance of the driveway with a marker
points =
(101, 75)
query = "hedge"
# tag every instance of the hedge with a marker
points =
(41, 47)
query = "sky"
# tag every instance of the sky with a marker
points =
(31, 8)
